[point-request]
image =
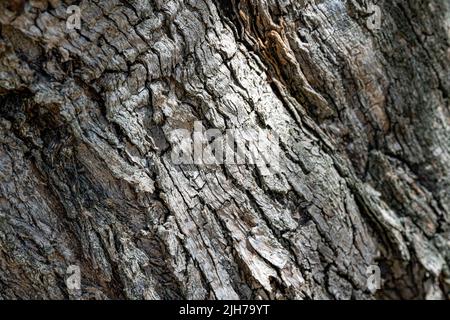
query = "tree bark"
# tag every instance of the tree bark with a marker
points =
(86, 135)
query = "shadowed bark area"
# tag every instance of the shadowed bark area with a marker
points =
(87, 122)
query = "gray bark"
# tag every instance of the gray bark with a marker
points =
(86, 176)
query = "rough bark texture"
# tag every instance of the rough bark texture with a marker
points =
(86, 176)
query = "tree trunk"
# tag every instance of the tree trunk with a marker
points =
(355, 91)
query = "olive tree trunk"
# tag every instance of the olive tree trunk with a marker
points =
(355, 91)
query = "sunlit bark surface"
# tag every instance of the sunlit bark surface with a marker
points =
(87, 178)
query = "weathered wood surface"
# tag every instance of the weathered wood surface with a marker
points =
(86, 176)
